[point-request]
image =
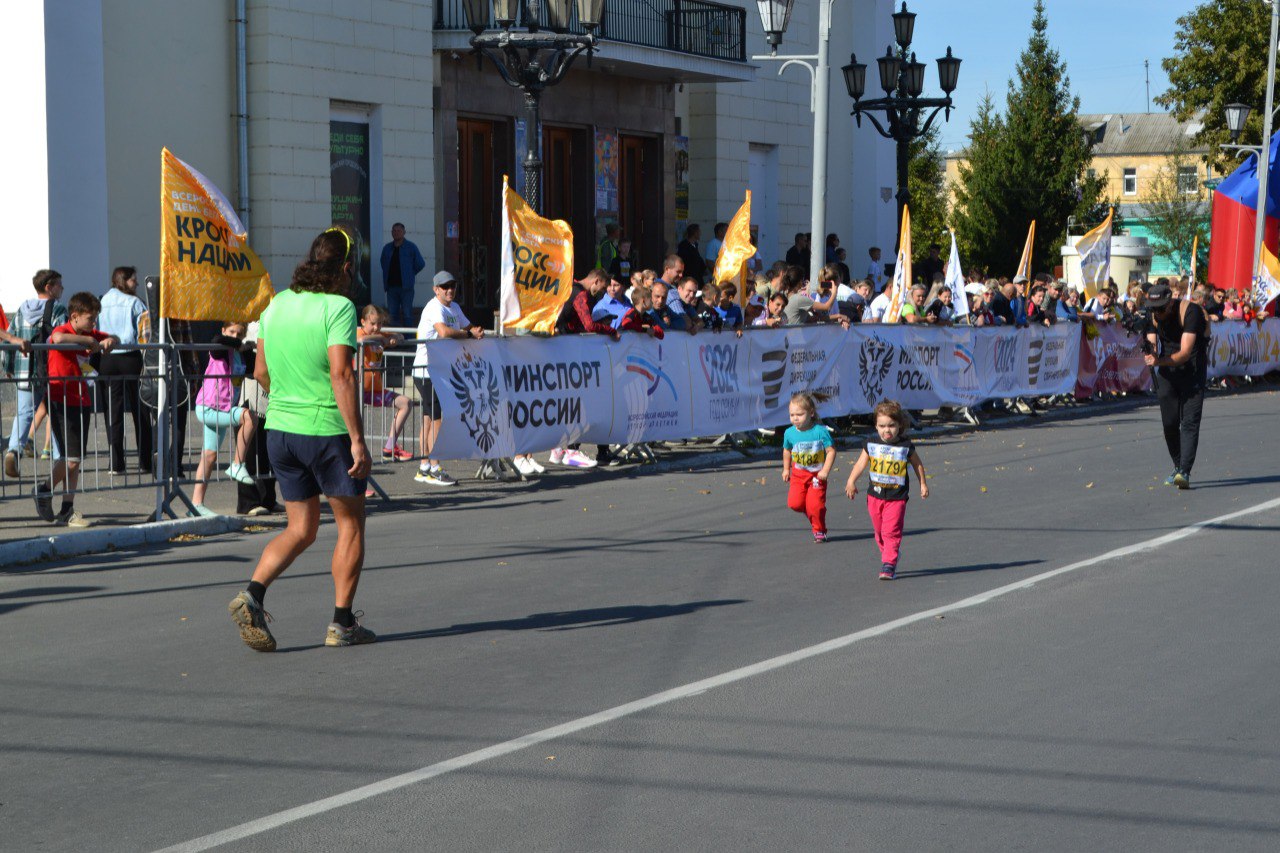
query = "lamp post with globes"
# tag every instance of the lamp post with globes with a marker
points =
(533, 59)
(902, 79)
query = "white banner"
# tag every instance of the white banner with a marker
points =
(502, 396)
(1244, 349)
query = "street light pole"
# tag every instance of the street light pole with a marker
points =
(775, 15)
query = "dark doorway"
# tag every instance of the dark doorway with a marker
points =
(568, 184)
(640, 185)
(481, 151)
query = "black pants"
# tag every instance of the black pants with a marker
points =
(262, 491)
(119, 375)
(1181, 404)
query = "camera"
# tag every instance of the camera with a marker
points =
(1139, 323)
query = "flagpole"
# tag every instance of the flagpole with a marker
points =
(1264, 151)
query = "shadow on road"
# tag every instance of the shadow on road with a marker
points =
(975, 567)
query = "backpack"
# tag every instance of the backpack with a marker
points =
(38, 369)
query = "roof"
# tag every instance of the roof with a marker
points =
(1132, 133)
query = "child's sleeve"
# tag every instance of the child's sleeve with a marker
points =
(827, 439)
(787, 443)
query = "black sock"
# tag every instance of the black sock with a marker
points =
(258, 591)
(67, 506)
(342, 616)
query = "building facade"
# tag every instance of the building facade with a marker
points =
(369, 112)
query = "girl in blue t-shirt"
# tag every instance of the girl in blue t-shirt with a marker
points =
(807, 456)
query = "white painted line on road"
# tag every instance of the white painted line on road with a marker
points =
(274, 821)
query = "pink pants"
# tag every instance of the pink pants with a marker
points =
(887, 518)
(808, 494)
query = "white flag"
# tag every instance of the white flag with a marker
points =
(509, 307)
(1266, 284)
(955, 281)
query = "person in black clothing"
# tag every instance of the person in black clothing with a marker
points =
(694, 264)
(1179, 332)
(624, 262)
(1002, 305)
(798, 255)
(932, 265)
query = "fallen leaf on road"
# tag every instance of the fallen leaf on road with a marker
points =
(704, 491)
(1090, 486)
(551, 758)
(984, 489)
(502, 562)
(763, 480)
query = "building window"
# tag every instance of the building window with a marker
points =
(1130, 181)
(1091, 173)
(1188, 180)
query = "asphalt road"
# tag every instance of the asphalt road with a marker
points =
(1128, 703)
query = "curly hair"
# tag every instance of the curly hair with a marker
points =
(325, 269)
(893, 409)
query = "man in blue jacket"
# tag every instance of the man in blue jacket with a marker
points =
(401, 263)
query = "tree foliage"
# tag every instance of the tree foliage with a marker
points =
(1220, 57)
(927, 181)
(1174, 217)
(1027, 164)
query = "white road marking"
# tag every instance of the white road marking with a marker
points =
(274, 821)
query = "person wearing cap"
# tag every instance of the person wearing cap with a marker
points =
(755, 307)
(401, 263)
(1179, 336)
(441, 318)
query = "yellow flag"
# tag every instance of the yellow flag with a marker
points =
(537, 265)
(207, 270)
(1195, 245)
(1024, 265)
(901, 272)
(736, 249)
(1094, 249)
(1266, 284)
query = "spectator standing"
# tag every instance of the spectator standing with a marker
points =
(808, 453)
(913, 310)
(931, 265)
(755, 309)
(373, 341)
(775, 314)
(711, 253)
(125, 317)
(1002, 304)
(640, 317)
(841, 262)
(694, 265)
(1068, 307)
(609, 247)
(888, 453)
(71, 404)
(672, 271)
(441, 318)
(1018, 300)
(218, 409)
(875, 272)
(940, 311)
(683, 304)
(798, 254)
(257, 497)
(660, 311)
(612, 305)
(34, 322)
(727, 307)
(576, 319)
(623, 265)
(305, 361)
(1036, 313)
(401, 263)
(1100, 308)
(833, 246)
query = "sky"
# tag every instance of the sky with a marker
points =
(1103, 43)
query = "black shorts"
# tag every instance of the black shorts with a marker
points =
(306, 466)
(70, 428)
(427, 395)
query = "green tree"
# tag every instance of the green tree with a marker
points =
(974, 216)
(1220, 57)
(927, 180)
(1177, 209)
(1036, 166)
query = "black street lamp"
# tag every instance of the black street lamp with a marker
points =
(902, 79)
(1237, 115)
(533, 60)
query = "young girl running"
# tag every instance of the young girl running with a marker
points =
(888, 453)
(807, 456)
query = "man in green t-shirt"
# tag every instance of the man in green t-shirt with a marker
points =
(306, 350)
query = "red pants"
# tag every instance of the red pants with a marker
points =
(886, 519)
(808, 494)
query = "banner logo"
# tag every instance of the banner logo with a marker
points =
(1004, 355)
(1035, 349)
(875, 360)
(773, 375)
(475, 385)
(720, 367)
(655, 374)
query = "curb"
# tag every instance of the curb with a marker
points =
(63, 545)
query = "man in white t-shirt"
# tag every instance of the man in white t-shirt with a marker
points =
(877, 309)
(441, 318)
(875, 271)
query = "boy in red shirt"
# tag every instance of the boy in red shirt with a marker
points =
(71, 403)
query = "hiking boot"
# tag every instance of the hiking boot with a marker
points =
(44, 501)
(252, 619)
(356, 635)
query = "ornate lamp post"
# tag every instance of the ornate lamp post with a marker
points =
(902, 79)
(533, 59)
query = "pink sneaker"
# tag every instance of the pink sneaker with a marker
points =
(557, 456)
(578, 459)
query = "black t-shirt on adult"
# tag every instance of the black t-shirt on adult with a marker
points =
(1002, 308)
(1170, 329)
(889, 463)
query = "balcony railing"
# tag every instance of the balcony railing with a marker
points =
(696, 27)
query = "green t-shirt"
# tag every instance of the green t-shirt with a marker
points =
(910, 310)
(297, 330)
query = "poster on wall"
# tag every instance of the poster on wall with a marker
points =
(682, 185)
(606, 172)
(349, 188)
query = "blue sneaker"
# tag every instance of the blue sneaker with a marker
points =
(1172, 479)
(1182, 481)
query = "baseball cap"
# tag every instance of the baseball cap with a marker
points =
(1019, 279)
(974, 288)
(755, 300)
(442, 278)
(1159, 296)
